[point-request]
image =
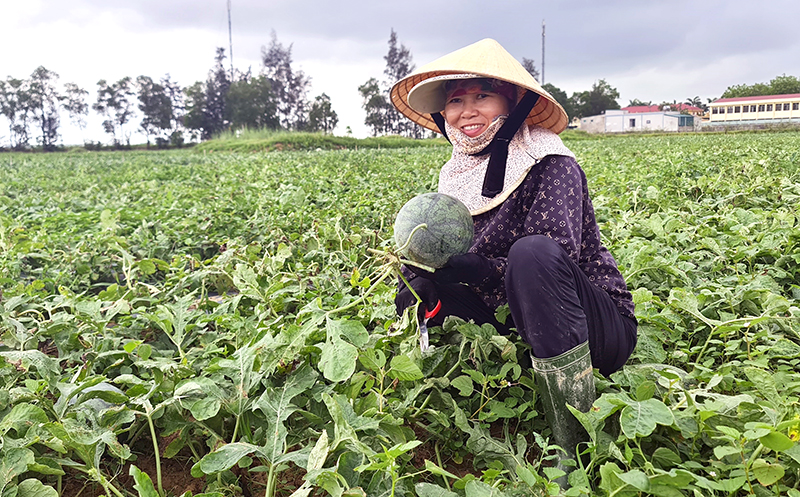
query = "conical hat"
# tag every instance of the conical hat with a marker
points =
(421, 93)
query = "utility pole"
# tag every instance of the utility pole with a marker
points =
(230, 39)
(542, 51)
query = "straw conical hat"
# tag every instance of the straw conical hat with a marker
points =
(421, 93)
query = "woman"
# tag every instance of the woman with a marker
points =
(537, 245)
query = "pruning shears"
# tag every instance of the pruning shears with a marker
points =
(423, 325)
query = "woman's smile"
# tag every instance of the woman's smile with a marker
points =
(474, 110)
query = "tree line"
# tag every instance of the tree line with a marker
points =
(780, 85)
(275, 98)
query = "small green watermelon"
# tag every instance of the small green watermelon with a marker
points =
(449, 229)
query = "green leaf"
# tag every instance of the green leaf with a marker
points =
(464, 385)
(14, 463)
(765, 384)
(316, 459)
(776, 441)
(372, 359)
(276, 405)
(430, 490)
(436, 470)
(640, 418)
(767, 473)
(645, 390)
(477, 488)
(726, 450)
(403, 368)
(353, 331)
(666, 458)
(225, 457)
(338, 360)
(636, 479)
(35, 488)
(143, 484)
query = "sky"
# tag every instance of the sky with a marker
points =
(648, 50)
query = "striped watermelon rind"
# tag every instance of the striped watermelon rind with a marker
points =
(449, 229)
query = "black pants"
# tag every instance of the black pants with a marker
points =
(553, 305)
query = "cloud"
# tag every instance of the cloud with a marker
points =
(647, 50)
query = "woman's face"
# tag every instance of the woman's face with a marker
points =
(473, 110)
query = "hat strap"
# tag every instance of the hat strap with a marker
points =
(439, 120)
(498, 148)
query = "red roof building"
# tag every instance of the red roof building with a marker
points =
(689, 109)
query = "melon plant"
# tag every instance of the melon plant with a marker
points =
(432, 227)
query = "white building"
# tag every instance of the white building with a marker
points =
(621, 121)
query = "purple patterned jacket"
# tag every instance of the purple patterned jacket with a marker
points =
(553, 200)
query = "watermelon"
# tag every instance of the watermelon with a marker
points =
(449, 229)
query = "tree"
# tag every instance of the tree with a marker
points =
(194, 116)
(529, 66)
(74, 102)
(398, 60)
(639, 103)
(14, 105)
(382, 117)
(377, 106)
(697, 102)
(252, 103)
(289, 87)
(562, 98)
(321, 116)
(156, 107)
(114, 102)
(43, 101)
(780, 85)
(600, 98)
(207, 112)
(216, 118)
(785, 85)
(175, 94)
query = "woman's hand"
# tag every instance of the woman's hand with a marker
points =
(425, 288)
(469, 268)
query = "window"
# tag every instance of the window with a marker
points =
(752, 108)
(737, 109)
(715, 110)
(730, 110)
(761, 108)
(632, 123)
(769, 107)
(796, 106)
(746, 108)
(786, 106)
(648, 121)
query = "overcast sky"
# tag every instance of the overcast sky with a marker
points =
(648, 50)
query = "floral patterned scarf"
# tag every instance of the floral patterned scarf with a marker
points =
(462, 176)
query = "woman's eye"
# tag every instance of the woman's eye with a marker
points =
(454, 100)
(483, 95)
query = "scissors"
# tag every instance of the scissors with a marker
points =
(423, 325)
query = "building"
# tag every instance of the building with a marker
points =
(756, 110)
(681, 108)
(621, 121)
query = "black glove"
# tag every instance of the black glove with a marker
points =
(469, 268)
(426, 289)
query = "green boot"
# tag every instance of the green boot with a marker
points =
(566, 379)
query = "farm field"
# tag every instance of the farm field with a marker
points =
(190, 323)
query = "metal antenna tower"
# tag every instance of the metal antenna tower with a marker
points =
(542, 51)
(230, 39)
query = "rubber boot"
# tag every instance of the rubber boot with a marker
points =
(566, 379)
